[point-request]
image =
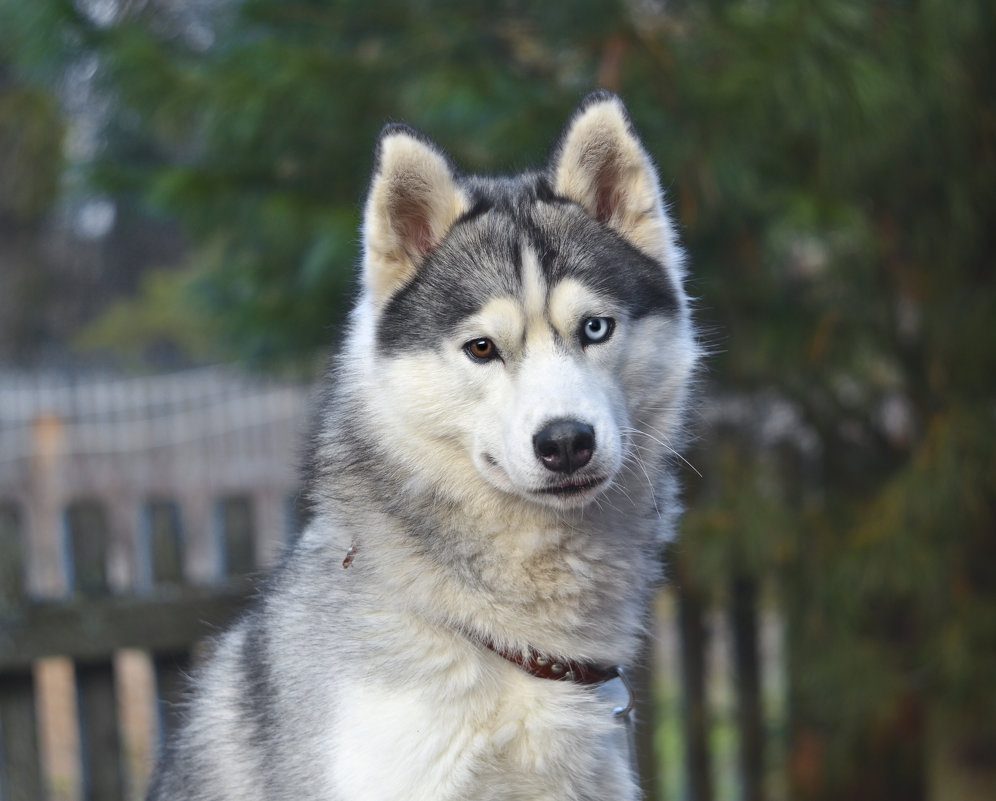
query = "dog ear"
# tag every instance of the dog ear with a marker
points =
(601, 164)
(414, 198)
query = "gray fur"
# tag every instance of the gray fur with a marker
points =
(371, 682)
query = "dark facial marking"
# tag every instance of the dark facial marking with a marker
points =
(481, 258)
(476, 261)
(481, 205)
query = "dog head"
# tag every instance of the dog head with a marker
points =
(528, 334)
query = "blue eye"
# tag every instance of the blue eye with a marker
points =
(596, 329)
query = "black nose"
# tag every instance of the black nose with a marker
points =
(565, 445)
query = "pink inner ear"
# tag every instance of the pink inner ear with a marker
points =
(414, 230)
(607, 197)
(418, 237)
(605, 203)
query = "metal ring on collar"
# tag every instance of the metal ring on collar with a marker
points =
(623, 711)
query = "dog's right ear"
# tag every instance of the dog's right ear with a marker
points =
(602, 165)
(414, 199)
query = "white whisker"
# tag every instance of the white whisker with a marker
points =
(664, 444)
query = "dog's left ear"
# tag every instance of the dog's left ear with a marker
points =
(414, 198)
(601, 164)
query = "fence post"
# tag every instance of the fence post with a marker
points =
(165, 545)
(238, 539)
(750, 722)
(647, 760)
(693, 637)
(20, 765)
(88, 543)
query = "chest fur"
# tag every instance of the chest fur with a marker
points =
(511, 737)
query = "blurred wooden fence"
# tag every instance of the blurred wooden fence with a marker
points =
(131, 512)
(89, 628)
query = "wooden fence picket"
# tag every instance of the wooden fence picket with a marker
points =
(237, 524)
(693, 674)
(20, 764)
(747, 661)
(87, 532)
(165, 556)
(20, 771)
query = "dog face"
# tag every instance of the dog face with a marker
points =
(530, 334)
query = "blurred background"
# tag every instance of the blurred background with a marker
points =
(180, 188)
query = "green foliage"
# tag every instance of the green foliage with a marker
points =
(262, 144)
(30, 152)
(159, 315)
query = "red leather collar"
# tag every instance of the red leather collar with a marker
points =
(544, 667)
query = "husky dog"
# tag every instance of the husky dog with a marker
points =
(491, 482)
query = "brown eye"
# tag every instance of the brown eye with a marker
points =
(481, 350)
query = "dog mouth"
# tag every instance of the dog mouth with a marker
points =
(568, 488)
(574, 487)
